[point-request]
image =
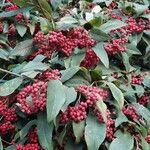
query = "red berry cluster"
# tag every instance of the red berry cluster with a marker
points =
(90, 59)
(8, 117)
(65, 42)
(19, 17)
(12, 30)
(137, 79)
(78, 112)
(148, 138)
(28, 147)
(131, 112)
(33, 97)
(1, 27)
(11, 8)
(143, 100)
(116, 46)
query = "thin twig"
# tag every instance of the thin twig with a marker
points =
(9, 72)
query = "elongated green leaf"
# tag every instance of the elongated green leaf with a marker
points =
(117, 94)
(112, 25)
(144, 112)
(78, 130)
(10, 86)
(55, 100)
(146, 16)
(33, 65)
(145, 145)
(1, 145)
(15, 12)
(21, 29)
(22, 49)
(24, 131)
(120, 119)
(101, 53)
(95, 133)
(71, 96)
(45, 130)
(101, 106)
(124, 141)
(68, 73)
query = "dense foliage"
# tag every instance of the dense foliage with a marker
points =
(75, 74)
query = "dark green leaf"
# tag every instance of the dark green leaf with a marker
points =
(101, 53)
(112, 25)
(144, 112)
(68, 73)
(15, 12)
(55, 100)
(120, 119)
(117, 94)
(71, 96)
(21, 29)
(10, 86)
(45, 130)
(95, 133)
(124, 141)
(78, 130)
(22, 49)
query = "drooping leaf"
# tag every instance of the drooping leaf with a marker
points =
(44, 130)
(117, 94)
(71, 96)
(1, 145)
(112, 25)
(144, 112)
(78, 130)
(68, 73)
(102, 107)
(22, 49)
(95, 133)
(24, 131)
(55, 100)
(21, 29)
(120, 119)
(124, 141)
(101, 53)
(15, 12)
(10, 86)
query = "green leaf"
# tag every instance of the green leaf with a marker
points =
(4, 54)
(10, 86)
(117, 94)
(101, 53)
(145, 145)
(15, 12)
(146, 81)
(55, 100)
(124, 141)
(22, 49)
(62, 136)
(139, 8)
(11, 148)
(146, 16)
(76, 81)
(24, 131)
(132, 49)
(71, 96)
(1, 145)
(120, 119)
(68, 73)
(55, 3)
(144, 112)
(44, 130)
(112, 25)
(78, 130)
(98, 35)
(102, 107)
(33, 66)
(21, 29)
(21, 3)
(95, 133)
(125, 59)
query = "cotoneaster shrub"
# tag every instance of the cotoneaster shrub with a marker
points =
(74, 75)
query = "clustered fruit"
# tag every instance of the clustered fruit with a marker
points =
(32, 98)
